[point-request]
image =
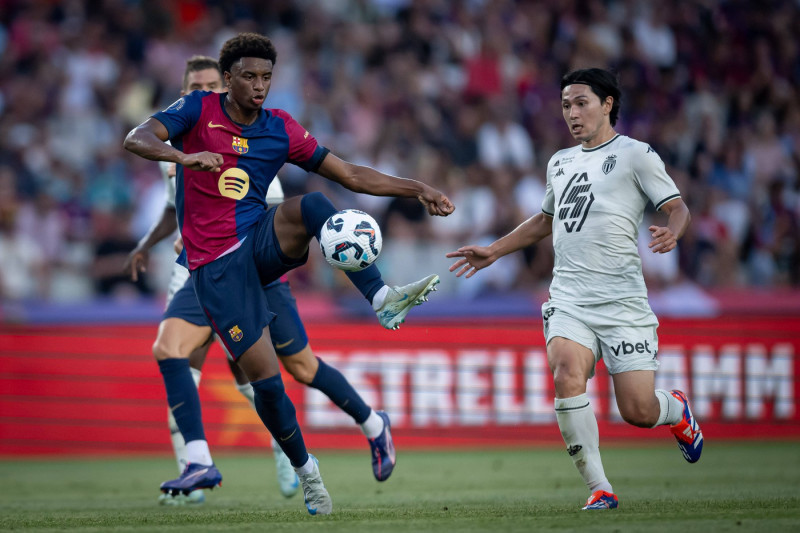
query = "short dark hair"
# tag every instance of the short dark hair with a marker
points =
(602, 82)
(246, 45)
(196, 64)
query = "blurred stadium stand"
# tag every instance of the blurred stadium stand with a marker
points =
(463, 95)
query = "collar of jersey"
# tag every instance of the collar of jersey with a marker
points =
(611, 140)
(261, 116)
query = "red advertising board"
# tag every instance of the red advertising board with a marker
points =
(88, 390)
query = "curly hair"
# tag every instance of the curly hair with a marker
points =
(246, 45)
(196, 64)
(602, 82)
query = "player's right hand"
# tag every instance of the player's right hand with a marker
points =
(473, 258)
(136, 262)
(204, 161)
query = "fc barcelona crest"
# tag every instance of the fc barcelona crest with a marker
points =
(235, 333)
(609, 164)
(240, 145)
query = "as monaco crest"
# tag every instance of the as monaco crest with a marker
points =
(236, 333)
(609, 164)
(240, 145)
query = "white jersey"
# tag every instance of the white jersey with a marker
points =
(597, 197)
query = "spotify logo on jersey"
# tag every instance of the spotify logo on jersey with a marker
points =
(234, 183)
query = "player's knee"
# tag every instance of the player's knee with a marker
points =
(315, 209)
(164, 350)
(637, 414)
(569, 381)
(301, 372)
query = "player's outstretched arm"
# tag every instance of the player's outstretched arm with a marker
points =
(665, 238)
(147, 140)
(367, 180)
(474, 258)
(164, 227)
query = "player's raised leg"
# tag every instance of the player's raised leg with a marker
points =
(299, 219)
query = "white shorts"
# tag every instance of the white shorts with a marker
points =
(622, 333)
(176, 281)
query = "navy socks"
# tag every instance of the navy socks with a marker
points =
(335, 386)
(278, 414)
(182, 397)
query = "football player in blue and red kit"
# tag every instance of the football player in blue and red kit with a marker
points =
(228, 148)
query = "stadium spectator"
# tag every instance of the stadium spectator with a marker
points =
(396, 77)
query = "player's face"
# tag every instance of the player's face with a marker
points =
(204, 80)
(249, 82)
(586, 116)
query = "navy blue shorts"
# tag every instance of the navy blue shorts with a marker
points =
(229, 289)
(287, 332)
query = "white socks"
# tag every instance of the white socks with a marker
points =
(380, 297)
(671, 408)
(578, 427)
(306, 468)
(247, 392)
(373, 425)
(197, 452)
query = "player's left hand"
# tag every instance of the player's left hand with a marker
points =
(663, 239)
(436, 203)
(136, 262)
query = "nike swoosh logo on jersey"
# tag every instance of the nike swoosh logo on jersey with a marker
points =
(172, 408)
(212, 125)
(284, 344)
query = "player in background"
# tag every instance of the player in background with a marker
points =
(595, 199)
(228, 148)
(183, 316)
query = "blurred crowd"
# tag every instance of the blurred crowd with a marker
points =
(463, 95)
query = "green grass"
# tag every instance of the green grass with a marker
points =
(735, 487)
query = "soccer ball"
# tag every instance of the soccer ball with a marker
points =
(350, 240)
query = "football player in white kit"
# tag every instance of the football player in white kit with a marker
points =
(595, 198)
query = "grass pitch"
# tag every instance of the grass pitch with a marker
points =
(734, 487)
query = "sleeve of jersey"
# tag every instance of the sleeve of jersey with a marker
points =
(549, 202)
(651, 174)
(182, 114)
(304, 150)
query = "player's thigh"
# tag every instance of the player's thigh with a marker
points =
(229, 292)
(629, 348)
(259, 360)
(277, 249)
(290, 230)
(287, 332)
(177, 338)
(572, 346)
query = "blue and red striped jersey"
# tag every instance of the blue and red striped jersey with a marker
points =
(215, 209)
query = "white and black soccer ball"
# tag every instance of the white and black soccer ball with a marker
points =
(350, 240)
